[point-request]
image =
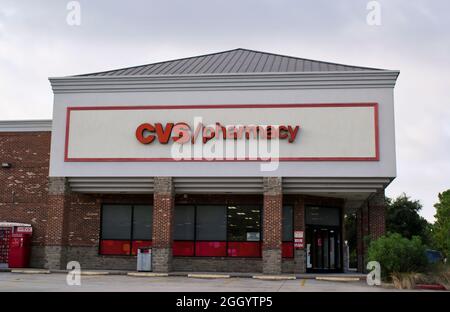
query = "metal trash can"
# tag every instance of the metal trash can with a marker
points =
(144, 259)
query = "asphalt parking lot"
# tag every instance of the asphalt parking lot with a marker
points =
(19, 282)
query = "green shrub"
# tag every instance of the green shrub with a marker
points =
(398, 254)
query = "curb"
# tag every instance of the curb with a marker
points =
(93, 273)
(90, 272)
(208, 276)
(338, 279)
(147, 274)
(274, 277)
(204, 275)
(30, 271)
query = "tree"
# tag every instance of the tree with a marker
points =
(441, 228)
(403, 217)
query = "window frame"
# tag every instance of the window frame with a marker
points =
(285, 242)
(227, 240)
(131, 240)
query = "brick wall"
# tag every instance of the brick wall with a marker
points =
(163, 220)
(84, 214)
(370, 225)
(299, 263)
(57, 220)
(217, 264)
(83, 230)
(24, 186)
(272, 213)
(377, 215)
(272, 223)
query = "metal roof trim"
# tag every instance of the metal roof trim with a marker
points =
(230, 75)
(244, 81)
(40, 125)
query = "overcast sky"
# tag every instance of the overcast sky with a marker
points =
(36, 42)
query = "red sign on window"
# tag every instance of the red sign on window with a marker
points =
(298, 240)
(24, 229)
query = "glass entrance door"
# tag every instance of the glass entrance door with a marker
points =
(323, 252)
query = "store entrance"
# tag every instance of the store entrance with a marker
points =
(323, 240)
(323, 250)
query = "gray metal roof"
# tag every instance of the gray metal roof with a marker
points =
(231, 62)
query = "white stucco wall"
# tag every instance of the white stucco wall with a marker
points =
(385, 167)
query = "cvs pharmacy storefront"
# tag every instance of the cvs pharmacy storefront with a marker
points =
(238, 161)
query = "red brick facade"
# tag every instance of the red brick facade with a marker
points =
(299, 214)
(272, 221)
(57, 221)
(163, 210)
(371, 224)
(272, 226)
(24, 186)
(377, 217)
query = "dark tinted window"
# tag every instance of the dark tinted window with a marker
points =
(288, 223)
(322, 216)
(116, 222)
(244, 223)
(142, 222)
(184, 223)
(211, 222)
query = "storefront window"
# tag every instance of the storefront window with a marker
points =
(125, 228)
(211, 223)
(244, 223)
(184, 231)
(116, 222)
(217, 231)
(184, 228)
(288, 232)
(142, 222)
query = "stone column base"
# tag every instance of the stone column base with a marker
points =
(299, 261)
(54, 257)
(271, 261)
(161, 260)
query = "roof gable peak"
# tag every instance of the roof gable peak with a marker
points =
(239, 60)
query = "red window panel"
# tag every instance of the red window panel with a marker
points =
(211, 249)
(287, 250)
(183, 248)
(244, 249)
(139, 244)
(114, 247)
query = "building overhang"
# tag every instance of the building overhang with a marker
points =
(345, 188)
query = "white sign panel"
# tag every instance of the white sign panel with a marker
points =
(287, 132)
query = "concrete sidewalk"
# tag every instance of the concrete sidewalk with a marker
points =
(354, 276)
(57, 282)
(208, 275)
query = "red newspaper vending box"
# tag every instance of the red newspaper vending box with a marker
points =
(16, 248)
(20, 247)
